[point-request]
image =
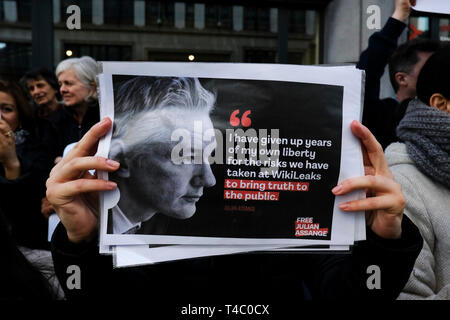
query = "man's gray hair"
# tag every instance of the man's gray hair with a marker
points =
(147, 107)
(86, 69)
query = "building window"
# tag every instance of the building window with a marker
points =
(119, 12)
(9, 11)
(180, 15)
(218, 17)
(419, 27)
(85, 9)
(199, 16)
(422, 25)
(160, 13)
(238, 18)
(444, 29)
(257, 19)
(100, 52)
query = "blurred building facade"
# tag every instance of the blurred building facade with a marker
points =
(144, 30)
(264, 31)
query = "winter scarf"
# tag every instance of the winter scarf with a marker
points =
(426, 132)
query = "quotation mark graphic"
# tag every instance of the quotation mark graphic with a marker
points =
(245, 121)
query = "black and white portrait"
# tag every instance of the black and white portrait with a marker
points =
(172, 135)
(156, 140)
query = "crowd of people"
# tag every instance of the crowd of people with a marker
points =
(38, 118)
(406, 143)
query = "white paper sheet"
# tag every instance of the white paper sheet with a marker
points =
(433, 6)
(128, 256)
(53, 221)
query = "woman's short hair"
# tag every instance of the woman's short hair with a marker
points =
(24, 109)
(148, 105)
(39, 74)
(86, 69)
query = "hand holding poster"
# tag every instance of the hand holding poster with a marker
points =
(229, 154)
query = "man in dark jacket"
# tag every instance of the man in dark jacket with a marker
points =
(382, 116)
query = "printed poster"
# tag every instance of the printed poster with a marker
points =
(228, 154)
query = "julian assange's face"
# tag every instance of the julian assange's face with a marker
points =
(41, 91)
(8, 110)
(169, 188)
(72, 89)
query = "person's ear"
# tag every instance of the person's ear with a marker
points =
(400, 78)
(117, 153)
(440, 102)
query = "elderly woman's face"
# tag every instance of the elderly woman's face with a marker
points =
(169, 188)
(72, 89)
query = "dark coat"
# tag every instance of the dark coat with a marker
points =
(60, 128)
(381, 116)
(20, 199)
